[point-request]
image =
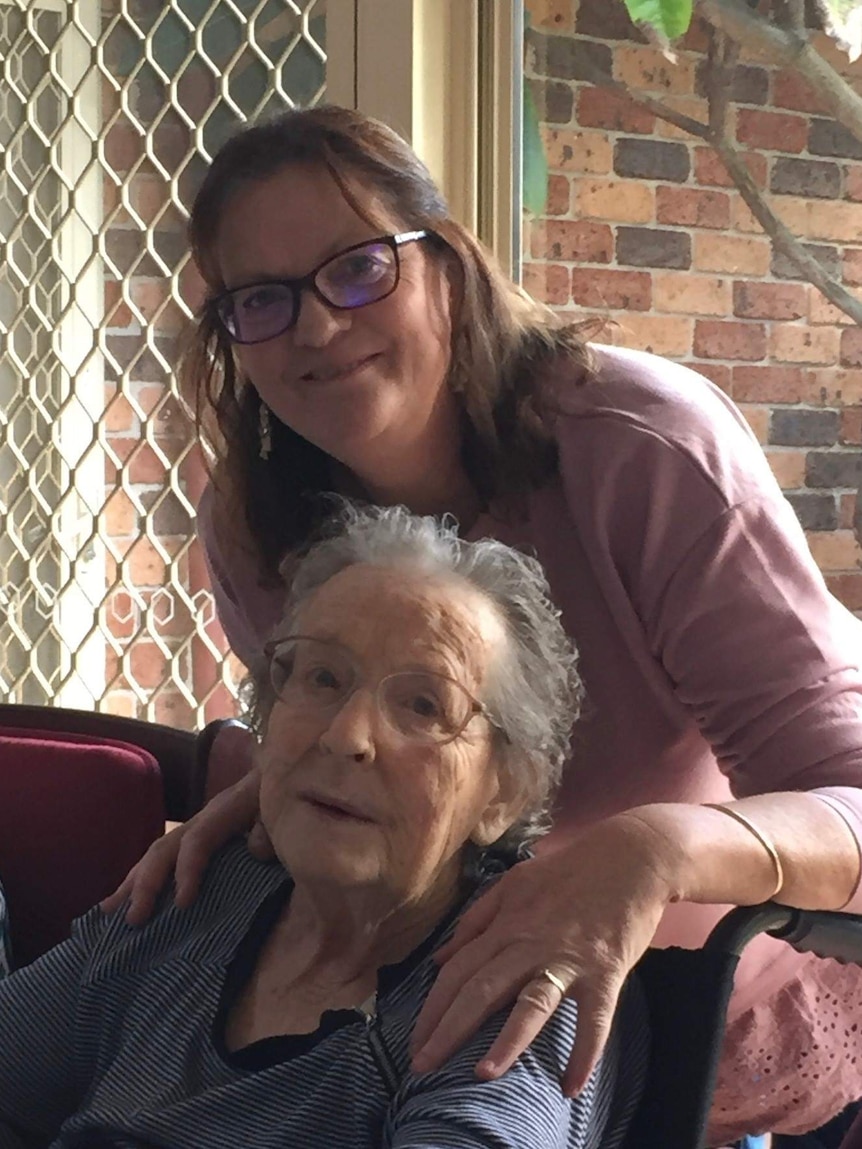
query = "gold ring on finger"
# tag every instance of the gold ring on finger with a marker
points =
(554, 980)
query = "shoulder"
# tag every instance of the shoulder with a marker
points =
(643, 414)
(235, 886)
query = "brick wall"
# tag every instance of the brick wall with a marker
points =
(643, 226)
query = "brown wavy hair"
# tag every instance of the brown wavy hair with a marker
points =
(503, 342)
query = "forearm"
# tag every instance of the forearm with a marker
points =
(709, 857)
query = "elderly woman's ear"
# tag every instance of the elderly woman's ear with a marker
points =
(502, 812)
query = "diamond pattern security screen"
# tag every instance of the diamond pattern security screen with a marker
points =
(109, 111)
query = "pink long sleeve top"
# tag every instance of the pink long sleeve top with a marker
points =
(714, 659)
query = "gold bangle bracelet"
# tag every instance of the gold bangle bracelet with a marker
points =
(766, 842)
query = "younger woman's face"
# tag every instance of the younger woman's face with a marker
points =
(365, 385)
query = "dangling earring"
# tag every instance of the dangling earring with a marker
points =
(265, 431)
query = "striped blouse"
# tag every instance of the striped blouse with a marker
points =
(116, 1038)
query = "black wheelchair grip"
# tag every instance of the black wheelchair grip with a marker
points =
(824, 933)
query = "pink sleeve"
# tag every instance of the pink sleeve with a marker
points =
(707, 565)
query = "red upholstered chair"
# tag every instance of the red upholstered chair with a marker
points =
(82, 796)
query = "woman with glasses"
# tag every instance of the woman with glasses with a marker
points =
(414, 708)
(356, 339)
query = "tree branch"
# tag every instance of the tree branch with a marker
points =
(782, 238)
(791, 49)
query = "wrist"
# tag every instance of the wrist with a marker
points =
(654, 838)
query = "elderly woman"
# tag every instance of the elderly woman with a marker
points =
(415, 718)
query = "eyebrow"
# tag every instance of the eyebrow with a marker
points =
(333, 250)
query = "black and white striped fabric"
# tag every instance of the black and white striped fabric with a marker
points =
(115, 1038)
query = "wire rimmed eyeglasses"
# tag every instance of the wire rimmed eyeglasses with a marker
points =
(420, 705)
(360, 274)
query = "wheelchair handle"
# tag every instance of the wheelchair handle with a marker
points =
(826, 933)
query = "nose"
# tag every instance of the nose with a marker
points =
(317, 323)
(350, 734)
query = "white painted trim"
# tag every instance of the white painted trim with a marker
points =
(416, 71)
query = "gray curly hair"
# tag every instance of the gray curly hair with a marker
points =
(535, 694)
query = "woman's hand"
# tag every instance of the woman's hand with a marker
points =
(188, 849)
(585, 913)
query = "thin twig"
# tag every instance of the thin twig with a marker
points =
(782, 238)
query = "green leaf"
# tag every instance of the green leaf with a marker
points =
(666, 19)
(535, 174)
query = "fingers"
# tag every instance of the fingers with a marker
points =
(150, 875)
(461, 963)
(595, 1016)
(536, 1002)
(117, 898)
(470, 987)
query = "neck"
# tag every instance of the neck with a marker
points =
(425, 474)
(349, 935)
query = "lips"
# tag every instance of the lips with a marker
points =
(330, 372)
(336, 807)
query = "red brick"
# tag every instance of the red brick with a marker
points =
(117, 312)
(687, 294)
(769, 385)
(851, 347)
(612, 290)
(574, 241)
(788, 466)
(559, 195)
(834, 550)
(789, 343)
(661, 334)
(174, 710)
(853, 266)
(851, 426)
(774, 131)
(846, 510)
(601, 108)
(758, 420)
(769, 300)
(691, 207)
(120, 516)
(120, 416)
(789, 90)
(148, 665)
(853, 183)
(709, 170)
(719, 373)
(145, 565)
(847, 588)
(620, 201)
(121, 614)
(548, 282)
(140, 461)
(721, 339)
(569, 151)
(123, 146)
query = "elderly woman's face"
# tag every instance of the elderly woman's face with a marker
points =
(362, 383)
(346, 796)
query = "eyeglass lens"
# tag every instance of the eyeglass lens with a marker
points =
(421, 705)
(351, 279)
